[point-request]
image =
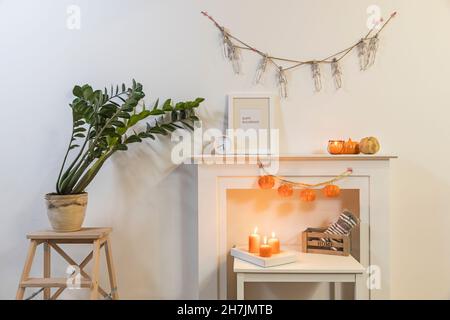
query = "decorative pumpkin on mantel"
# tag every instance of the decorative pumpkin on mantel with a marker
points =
(351, 147)
(369, 145)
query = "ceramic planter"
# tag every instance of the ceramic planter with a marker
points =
(66, 212)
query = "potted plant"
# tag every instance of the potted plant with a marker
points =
(104, 122)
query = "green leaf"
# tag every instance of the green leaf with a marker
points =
(167, 105)
(80, 129)
(79, 135)
(180, 106)
(121, 147)
(78, 123)
(123, 115)
(132, 139)
(156, 104)
(188, 125)
(168, 127)
(77, 91)
(88, 92)
(118, 124)
(121, 131)
(133, 120)
(156, 112)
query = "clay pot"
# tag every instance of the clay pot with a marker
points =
(66, 212)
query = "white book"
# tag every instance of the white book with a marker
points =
(284, 257)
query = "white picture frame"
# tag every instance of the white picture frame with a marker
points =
(251, 111)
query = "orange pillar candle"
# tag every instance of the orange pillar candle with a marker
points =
(254, 241)
(274, 243)
(265, 250)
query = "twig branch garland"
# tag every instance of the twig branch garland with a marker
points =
(367, 48)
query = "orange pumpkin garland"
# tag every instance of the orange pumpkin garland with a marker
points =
(266, 182)
(308, 195)
(285, 190)
(331, 191)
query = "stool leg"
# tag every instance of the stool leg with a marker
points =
(95, 270)
(111, 270)
(26, 268)
(47, 272)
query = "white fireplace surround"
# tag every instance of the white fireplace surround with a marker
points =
(370, 176)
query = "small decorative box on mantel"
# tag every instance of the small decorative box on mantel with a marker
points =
(315, 240)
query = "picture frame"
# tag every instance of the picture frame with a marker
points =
(251, 111)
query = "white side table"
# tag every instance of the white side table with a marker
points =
(309, 268)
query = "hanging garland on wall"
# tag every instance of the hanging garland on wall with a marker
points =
(307, 190)
(366, 47)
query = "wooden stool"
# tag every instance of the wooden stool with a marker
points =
(98, 237)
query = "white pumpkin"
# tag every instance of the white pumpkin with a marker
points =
(369, 145)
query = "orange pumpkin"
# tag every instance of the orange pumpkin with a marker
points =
(351, 147)
(266, 182)
(285, 190)
(308, 195)
(331, 191)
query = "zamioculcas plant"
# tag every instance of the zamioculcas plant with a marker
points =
(105, 122)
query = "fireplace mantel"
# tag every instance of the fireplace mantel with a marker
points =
(216, 175)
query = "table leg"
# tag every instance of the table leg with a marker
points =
(359, 286)
(95, 270)
(47, 270)
(26, 268)
(336, 290)
(111, 270)
(240, 286)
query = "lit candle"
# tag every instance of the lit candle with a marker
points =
(336, 146)
(265, 250)
(254, 241)
(274, 243)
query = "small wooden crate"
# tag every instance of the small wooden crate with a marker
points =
(313, 242)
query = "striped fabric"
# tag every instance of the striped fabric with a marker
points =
(343, 226)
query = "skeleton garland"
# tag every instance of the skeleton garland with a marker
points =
(282, 82)
(231, 52)
(366, 48)
(336, 73)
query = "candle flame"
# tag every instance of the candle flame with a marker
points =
(256, 230)
(273, 234)
(265, 240)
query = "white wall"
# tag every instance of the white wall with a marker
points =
(174, 52)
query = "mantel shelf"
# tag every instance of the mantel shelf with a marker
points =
(296, 157)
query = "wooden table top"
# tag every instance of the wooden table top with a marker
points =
(84, 233)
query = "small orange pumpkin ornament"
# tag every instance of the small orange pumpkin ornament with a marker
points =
(351, 147)
(308, 195)
(331, 191)
(285, 190)
(266, 182)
